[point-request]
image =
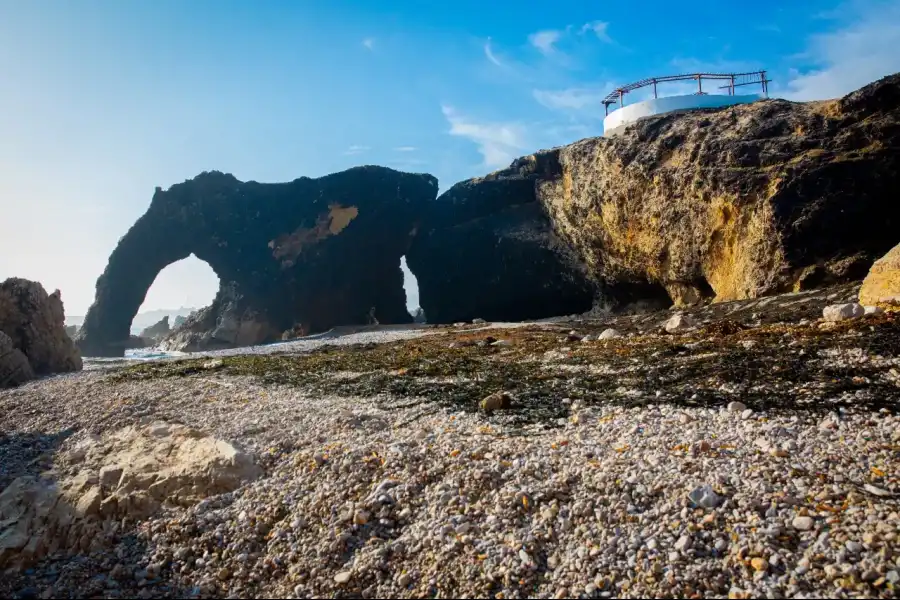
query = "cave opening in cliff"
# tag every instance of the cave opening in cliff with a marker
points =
(634, 297)
(411, 287)
(178, 290)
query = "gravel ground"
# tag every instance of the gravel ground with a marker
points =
(390, 495)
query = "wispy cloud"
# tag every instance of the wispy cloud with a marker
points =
(572, 99)
(405, 149)
(499, 143)
(600, 30)
(862, 49)
(489, 53)
(544, 40)
(369, 43)
(356, 149)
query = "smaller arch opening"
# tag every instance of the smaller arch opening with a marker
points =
(411, 287)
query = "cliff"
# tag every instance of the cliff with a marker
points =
(736, 202)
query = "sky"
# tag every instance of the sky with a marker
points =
(103, 100)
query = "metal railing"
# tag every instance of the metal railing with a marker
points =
(617, 96)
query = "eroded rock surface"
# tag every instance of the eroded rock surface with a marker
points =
(129, 473)
(312, 253)
(34, 324)
(737, 202)
(882, 284)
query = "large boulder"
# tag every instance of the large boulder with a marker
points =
(34, 324)
(311, 253)
(882, 284)
(487, 250)
(734, 202)
(98, 481)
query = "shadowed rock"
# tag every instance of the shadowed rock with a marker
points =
(312, 252)
(487, 250)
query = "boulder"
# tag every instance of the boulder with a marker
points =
(735, 202)
(14, 367)
(882, 284)
(71, 330)
(99, 481)
(314, 252)
(156, 331)
(486, 249)
(34, 324)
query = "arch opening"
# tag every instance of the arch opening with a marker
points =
(180, 288)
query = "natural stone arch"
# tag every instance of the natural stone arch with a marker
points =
(308, 254)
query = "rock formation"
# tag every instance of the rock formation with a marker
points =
(312, 252)
(33, 324)
(157, 331)
(735, 202)
(486, 249)
(129, 473)
(71, 330)
(14, 367)
(882, 284)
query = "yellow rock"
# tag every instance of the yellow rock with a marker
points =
(496, 401)
(882, 284)
(759, 564)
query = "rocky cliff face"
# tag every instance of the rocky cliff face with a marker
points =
(737, 202)
(311, 253)
(34, 340)
(486, 249)
(156, 331)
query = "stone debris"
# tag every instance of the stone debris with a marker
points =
(609, 334)
(842, 312)
(679, 323)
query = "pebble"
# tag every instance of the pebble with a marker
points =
(342, 577)
(802, 523)
(736, 407)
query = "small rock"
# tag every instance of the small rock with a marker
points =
(877, 491)
(342, 577)
(705, 497)
(213, 364)
(679, 323)
(802, 523)
(842, 312)
(110, 476)
(361, 517)
(853, 547)
(736, 407)
(496, 401)
(759, 564)
(747, 413)
(871, 311)
(609, 334)
(683, 543)
(478, 321)
(502, 343)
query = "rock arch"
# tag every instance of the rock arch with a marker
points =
(311, 253)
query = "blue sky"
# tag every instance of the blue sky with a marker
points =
(102, 100)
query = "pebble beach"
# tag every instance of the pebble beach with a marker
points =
(631, 486)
